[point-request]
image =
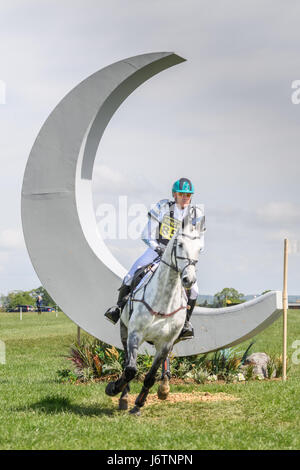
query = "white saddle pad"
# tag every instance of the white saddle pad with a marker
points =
(147, 277)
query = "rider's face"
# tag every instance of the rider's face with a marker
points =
(182, 199)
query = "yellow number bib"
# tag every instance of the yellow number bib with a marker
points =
(168, 227)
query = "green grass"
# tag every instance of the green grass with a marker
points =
(37, 412)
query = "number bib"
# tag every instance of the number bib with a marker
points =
(168, 227)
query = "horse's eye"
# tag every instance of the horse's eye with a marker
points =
(180, 245)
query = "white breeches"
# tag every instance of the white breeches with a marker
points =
(146, 258)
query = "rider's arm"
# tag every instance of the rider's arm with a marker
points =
(150, 232)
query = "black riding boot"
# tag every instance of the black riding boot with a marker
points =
(113, 314)
(188, 330)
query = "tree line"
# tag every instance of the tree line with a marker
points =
(19, 297)
(225, 298)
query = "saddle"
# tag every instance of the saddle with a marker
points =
(141, 273)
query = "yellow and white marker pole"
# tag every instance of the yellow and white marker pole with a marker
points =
(285, 307)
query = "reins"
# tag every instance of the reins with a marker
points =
(158, 314)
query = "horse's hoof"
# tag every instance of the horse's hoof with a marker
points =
(163, 389)
(135, 411)
(110, 389)
(162, 394)
(123, 404)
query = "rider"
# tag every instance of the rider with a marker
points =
(163, 220)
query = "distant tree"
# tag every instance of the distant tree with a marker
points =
(227, 296)
(3, 301)
(47, 299)
(20, 297)
(203, 304)
(266, 291)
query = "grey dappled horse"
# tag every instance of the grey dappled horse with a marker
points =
(157, 312)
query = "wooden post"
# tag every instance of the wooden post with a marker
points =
(78, 335)
(285, 307)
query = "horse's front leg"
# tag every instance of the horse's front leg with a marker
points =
(123, 401)
(130, 370)
(131, 348)
(149, 380)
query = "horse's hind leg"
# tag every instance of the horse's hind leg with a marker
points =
(123, 401)
(149, 380)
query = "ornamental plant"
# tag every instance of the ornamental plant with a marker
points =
(93, 359)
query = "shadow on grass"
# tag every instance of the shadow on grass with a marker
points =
(57, 404)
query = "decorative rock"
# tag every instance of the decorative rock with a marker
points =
(260, 361)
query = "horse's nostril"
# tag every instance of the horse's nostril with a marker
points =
(186, 281)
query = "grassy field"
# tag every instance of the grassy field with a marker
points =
(37, 412)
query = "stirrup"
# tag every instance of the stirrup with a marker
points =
(187, 331)
(113, 314)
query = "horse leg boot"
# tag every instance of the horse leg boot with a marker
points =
(113, 388)
(118, 386)
(188, 330)
(164, 387)
(129, 372)
(123, 401)
(113, 314)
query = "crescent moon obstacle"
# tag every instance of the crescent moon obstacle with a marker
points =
(59, 224)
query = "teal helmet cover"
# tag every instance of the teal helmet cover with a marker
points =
(184, 185)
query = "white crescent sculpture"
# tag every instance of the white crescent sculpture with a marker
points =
(59, 224)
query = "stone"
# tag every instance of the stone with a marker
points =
(260, 361)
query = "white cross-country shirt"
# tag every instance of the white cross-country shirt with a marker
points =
(160, 225)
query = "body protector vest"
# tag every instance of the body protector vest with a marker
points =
(166, 217)
(168, 226)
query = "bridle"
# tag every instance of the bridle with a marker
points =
(174, 257)
(174, 266)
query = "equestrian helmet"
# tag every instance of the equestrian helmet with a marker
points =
(183, 185)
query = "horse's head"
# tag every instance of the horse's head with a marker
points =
(184, 249)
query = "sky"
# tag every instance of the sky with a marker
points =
(227, 118)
